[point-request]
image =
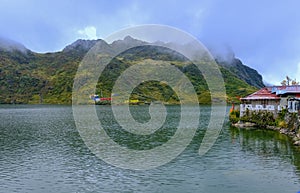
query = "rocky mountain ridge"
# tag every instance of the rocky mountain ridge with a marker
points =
(29, 77)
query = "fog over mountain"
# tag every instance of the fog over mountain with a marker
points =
(10, 45)
(29, 77)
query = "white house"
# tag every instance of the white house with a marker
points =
(273, 99)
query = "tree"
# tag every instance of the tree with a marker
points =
(288, 81)
(294, 82)
(283, 83)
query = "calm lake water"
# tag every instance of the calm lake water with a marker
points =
(42, 151)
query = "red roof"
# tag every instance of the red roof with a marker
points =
(105, 99)
(264, 93)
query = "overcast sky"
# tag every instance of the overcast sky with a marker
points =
(265, 35)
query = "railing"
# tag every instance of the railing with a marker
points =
(271, 108)
(244, 107)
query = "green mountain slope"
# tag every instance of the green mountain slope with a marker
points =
(28, 77)
(243, 72)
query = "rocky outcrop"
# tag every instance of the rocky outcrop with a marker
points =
(295, 136)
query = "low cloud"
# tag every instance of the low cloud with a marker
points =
(89, 32)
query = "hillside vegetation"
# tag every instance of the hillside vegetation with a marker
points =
(33, 78)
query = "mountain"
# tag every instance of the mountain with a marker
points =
(29, 77)
(10, 45)
(81, 45)
(243, 72)
(225, 57)
(158, 91)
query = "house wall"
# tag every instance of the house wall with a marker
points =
(262, 102)
(283, 101)
(293, 106)
(291, 102)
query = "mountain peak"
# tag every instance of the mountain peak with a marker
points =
(54, 73)
(84, 45)
(10, 45)
(128, 38)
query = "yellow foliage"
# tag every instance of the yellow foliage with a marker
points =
(282, 124)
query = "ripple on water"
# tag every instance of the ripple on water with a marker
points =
(41, 151)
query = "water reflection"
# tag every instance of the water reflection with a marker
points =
(41, 151)
(270, 145)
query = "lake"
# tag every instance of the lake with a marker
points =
(41, 151)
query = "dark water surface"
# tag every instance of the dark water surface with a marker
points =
(41, 151)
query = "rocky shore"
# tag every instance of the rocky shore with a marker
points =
(294, 135)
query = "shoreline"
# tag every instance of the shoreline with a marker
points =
(295, 137)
